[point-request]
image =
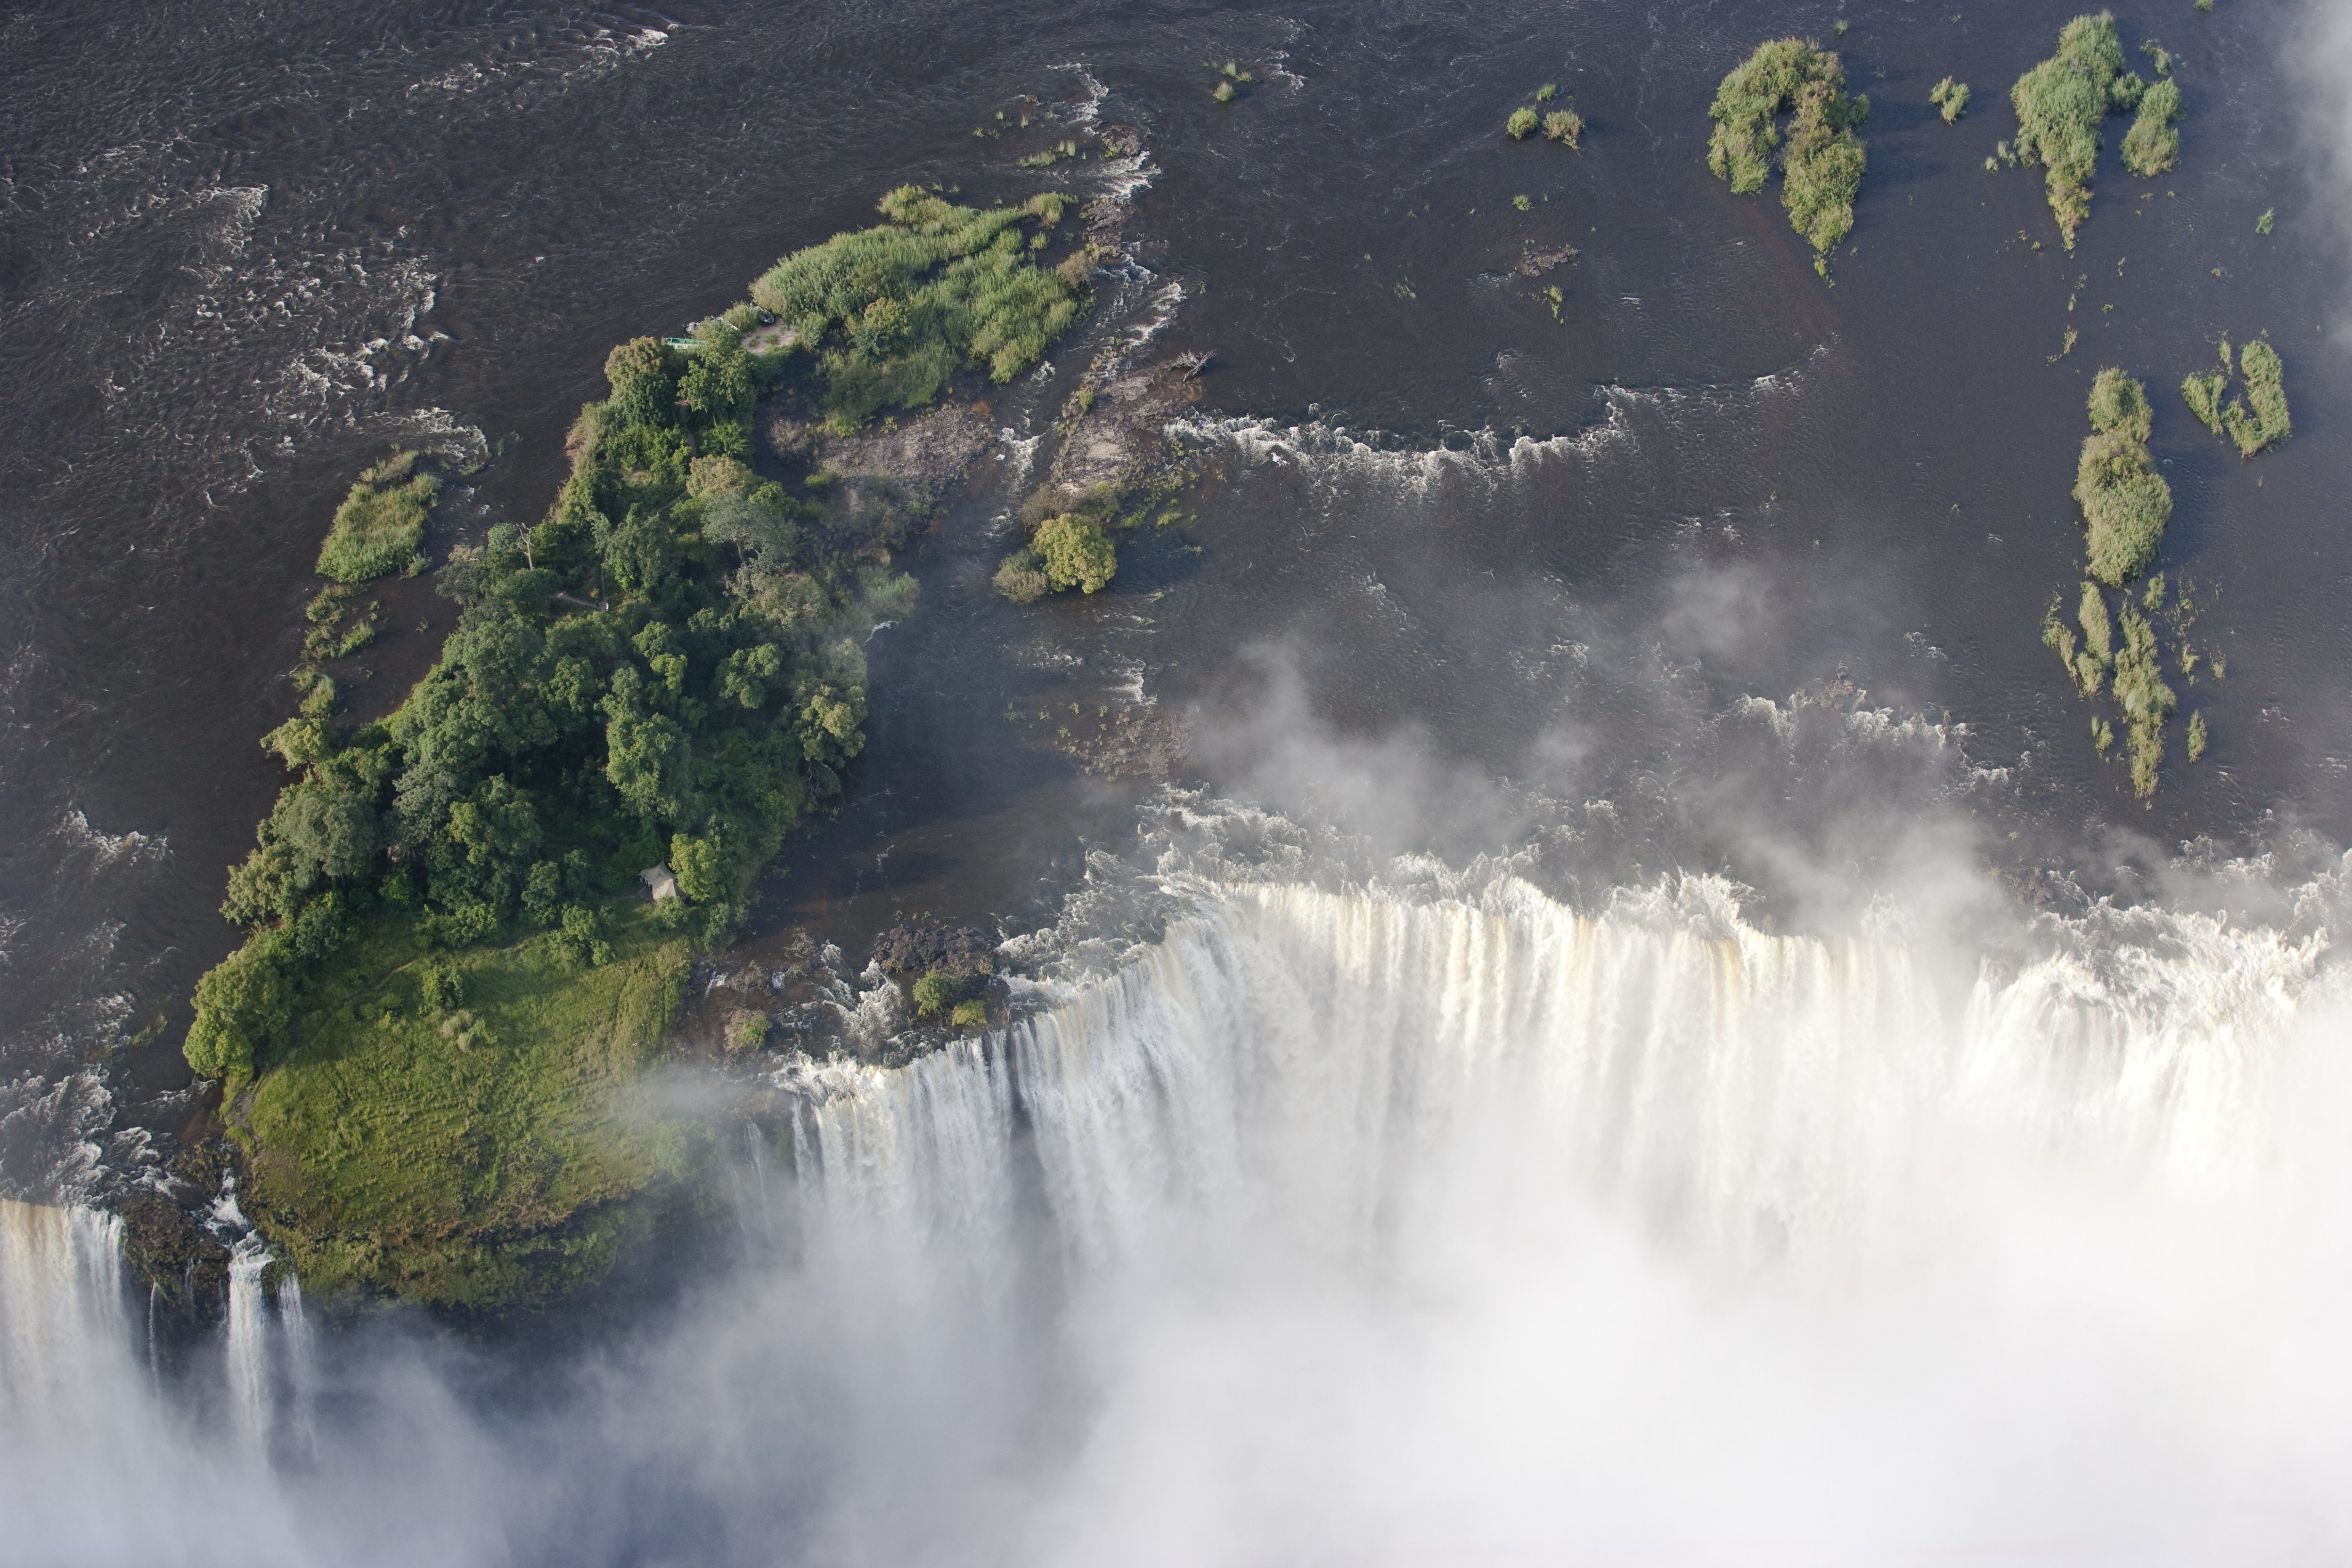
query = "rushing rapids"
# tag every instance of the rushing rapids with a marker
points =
(1376, 1222)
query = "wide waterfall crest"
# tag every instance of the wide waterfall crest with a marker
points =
(1319, 1054)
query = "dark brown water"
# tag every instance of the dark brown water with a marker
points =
(1466, 571)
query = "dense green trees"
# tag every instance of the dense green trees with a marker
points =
(553, 752)
(1821, 164)
(2265, 380)
(1076, 554)
(2152, 145)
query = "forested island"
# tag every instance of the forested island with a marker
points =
(453, 974)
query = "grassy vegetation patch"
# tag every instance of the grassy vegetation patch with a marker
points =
(456, 1129)
(2061, 104)
(380, 528)
(1822, 160)
(894, 310)
(1950, 99)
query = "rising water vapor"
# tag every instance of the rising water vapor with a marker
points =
(1392, 1225)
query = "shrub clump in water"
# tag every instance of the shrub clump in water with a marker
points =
(1822, 161)
(1021, 577)
(1522, 123)
(1077, 554)
(2060, 104)
(2123, 498)
(2153, 144)
(2265, 379)
(1950, 99)
(2147, 700)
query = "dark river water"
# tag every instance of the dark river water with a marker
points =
(1465, 567)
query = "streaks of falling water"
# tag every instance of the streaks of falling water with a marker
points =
(755, 1144)
(302, 1360)
(247, 1349)
(63, 1322)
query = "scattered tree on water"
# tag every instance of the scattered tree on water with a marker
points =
(1822, 160)
(1950, 99)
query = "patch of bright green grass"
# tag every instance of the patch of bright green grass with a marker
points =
(895, 310)
(380, 527)
(473, 1155)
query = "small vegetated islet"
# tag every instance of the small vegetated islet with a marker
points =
(1950, 99)
(2125, 645)
(2124, 500)
(380, 528)
(1822, 159)
(2061, 104)
(447, 974)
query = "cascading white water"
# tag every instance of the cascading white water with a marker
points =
(1379, 1205)
(246, 1348)
(63, 1321)
(1369, 1227)
(1744, 1090)
(301, 1358)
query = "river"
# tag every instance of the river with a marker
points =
(1666, 912)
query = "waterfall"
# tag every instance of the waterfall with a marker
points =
(64, 1325)
(301, 1358)
(755, 1145)
(1393, 1227)
(1312, 1050)
(246, 1350)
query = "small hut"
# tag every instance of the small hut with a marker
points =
(659, 883)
